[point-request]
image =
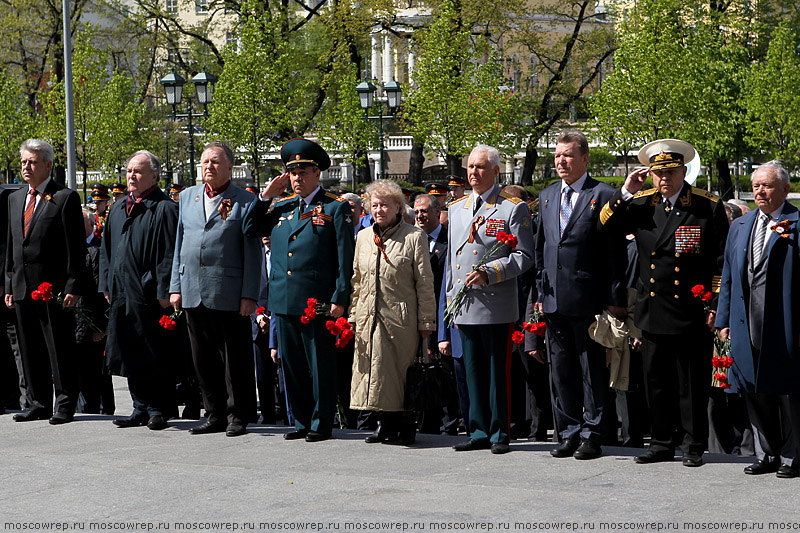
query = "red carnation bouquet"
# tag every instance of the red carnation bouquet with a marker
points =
(169, 322)
(44, 293)
(721, 361)
(455, 305)
(313, 307)
(536, 325)
(341, 329)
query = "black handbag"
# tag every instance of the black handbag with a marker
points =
(427, 385)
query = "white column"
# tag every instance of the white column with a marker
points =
(388, 59)
(375, 62)
(412, 61)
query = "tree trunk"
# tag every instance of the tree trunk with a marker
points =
(454, 164)
(362, 171)
(724, 179)
(415, 162)
(256, 170)
(531, 155)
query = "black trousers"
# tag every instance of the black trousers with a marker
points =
(46, 339)
(677, 374)
(776, 427)
(579, 378)
(222, 352)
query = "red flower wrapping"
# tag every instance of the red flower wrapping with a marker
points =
(698, 290)
(517, 337)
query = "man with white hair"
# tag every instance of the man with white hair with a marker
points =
(486, 319)
(45, 245)
(758, 308)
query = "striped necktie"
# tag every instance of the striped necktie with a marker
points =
(566, 210)
(29, 210)
(758, 238)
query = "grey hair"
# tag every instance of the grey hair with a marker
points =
(432, 201)
(387, 190)
(491, 153)
(352, 197)
(155, 163)
(777, 166)
(45, 149)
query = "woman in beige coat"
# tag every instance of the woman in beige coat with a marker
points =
(393, 305)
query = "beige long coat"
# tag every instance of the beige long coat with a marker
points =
(392, 301)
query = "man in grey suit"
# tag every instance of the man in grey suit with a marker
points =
(216, 278)
(579, 271)
(486, 320)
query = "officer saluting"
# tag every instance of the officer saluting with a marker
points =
(312, 257)
(680, 233)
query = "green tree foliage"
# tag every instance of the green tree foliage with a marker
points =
(773, 99)
(457, 102)
(17, 120)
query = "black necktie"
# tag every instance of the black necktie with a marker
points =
(478, 204)
(667, 205)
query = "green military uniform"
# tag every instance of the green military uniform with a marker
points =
(311, 257)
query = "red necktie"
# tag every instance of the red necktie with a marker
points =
(29, 210)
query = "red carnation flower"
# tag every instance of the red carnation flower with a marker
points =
(36, 295)
(261, 310)
(305, 320)
(502, 236)
(725, 386)
(539, 328)
(342, 323)
(312, 302)
(333, 327)
(517, 337)
(707, 296)
(167, 323)
(698, 290)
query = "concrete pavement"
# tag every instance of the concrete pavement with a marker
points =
(92, 476)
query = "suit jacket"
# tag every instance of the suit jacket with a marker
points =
(676, 252)
(494, 303)
(776, 367)
(54, 249)
(580, 272)
(215, 263)
(438, 256)
(312, 256)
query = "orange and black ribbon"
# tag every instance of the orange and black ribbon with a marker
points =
(224, 208)
(316, 212)
(474, 229)
(379, 243)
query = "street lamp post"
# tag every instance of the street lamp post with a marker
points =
(366, 97)
(204, 90)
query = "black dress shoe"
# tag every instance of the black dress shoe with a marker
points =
(472, 444)
(135, 420)
(374, 438)
(61, 418)
(156, 423)
(651, 456)
(499, 448)
(402, 440)
(315, 436)
(209, 426)
(588, 450)
(34, 414)
(565, 449)
(296, 435)
(235, 429)
(692, 459)
(762, 467)
(786, 472)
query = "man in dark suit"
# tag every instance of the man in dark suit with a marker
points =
(579, 272)
(758, 310)
(216, 278)
(45, 244)
(312, 257)
(680, 233)
(135, 267)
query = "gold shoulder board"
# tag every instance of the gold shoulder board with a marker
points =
(510, 198)
(648, 192)
(704, 193)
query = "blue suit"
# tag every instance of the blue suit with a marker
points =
(578, 274)
(760, 302)
(215, 266)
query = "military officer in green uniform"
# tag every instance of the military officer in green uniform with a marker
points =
(680, 232)
(311, 257)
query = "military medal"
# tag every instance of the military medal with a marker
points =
(494, 225)
(592, 204)
(687, 240)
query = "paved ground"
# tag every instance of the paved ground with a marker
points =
(92, 476)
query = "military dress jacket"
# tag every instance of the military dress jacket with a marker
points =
(311, 253)
(677, 251)
(495, 302)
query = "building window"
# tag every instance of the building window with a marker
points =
(201, 7)
(172, 6)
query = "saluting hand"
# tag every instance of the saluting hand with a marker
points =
(635, 180)
(276, 186)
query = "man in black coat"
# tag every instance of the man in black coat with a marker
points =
(45, 244)
(135, 268)
(680, 232)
